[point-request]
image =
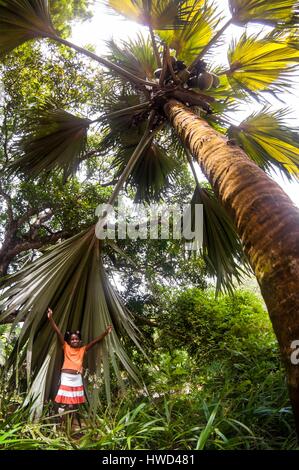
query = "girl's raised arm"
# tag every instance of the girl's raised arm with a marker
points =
(55, 327)
(99, 338)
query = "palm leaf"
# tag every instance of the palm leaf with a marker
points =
(152, 173)
(136, 56)
(69, 277)
(124, 121)
(158, 14)
(221, 249)
(22, 20)
(260, 64)
(267, 139)
(275, 13)
(56, 139)
(189, 41)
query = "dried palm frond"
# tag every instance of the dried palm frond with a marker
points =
(71, 279)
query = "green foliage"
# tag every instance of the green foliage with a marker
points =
(257, 64)
(152, 173)
(55, 209)
(281, 13)
(21, 20)
(260, 64)
(55, 139)
(158, 14)
(65, 12)
(269, 142)
(31, 79)
(79, 300)
(206, 325)
(18, 433)
(72, 202)
(189, 40)
(221, 248)
(7, 342)
(231, 398)
(136, 56)
(229, 338)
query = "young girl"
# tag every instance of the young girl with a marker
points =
(71, 391)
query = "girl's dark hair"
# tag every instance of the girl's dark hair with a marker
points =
(68, 335)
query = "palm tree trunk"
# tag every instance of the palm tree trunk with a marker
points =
(266, 220)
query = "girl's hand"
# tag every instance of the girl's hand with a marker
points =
(109, 329)
(49, 313)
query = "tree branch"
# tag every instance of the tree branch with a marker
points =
(175, 79)
(157, 55)
(24, 218)
(164, 67)
(110, 183)
(35, 244)
(110, 65)
(8, 201)
(144, 320)
(89, 154)
(38, 223)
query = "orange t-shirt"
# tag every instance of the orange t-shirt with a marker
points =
(73, 357)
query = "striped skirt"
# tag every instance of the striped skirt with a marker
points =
(71, 391)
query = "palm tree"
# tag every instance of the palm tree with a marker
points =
(166, 92)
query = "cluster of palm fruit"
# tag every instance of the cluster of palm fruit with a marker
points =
(177, 66)
(198, 77)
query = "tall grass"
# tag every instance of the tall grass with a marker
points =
(230, 395)
(195, 421)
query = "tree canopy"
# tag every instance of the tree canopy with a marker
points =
(159, 86)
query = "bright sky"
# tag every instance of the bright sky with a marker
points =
(104, 26)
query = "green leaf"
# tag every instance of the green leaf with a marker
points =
(158, 14)
(188, 41)
(22, 20)
(222, 249)
(152, 173)
(136, 56)
(70, 278)
(124, 121)
(260, 64)
(274, 12)
(206, 432)
(268, 141)
(55, 139)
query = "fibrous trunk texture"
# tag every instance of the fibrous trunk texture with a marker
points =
(266, 220)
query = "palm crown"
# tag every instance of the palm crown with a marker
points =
(173, 62)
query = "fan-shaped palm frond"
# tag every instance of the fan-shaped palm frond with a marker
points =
(158, 14)
(274, 12)
(221, 249)
(152, 173)
(290, 37)
(69, 277)
(56, 139)
(124, 121)
(22, 20)
(189, 41)
(137, 56)
(260, 64)
(269, 141)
